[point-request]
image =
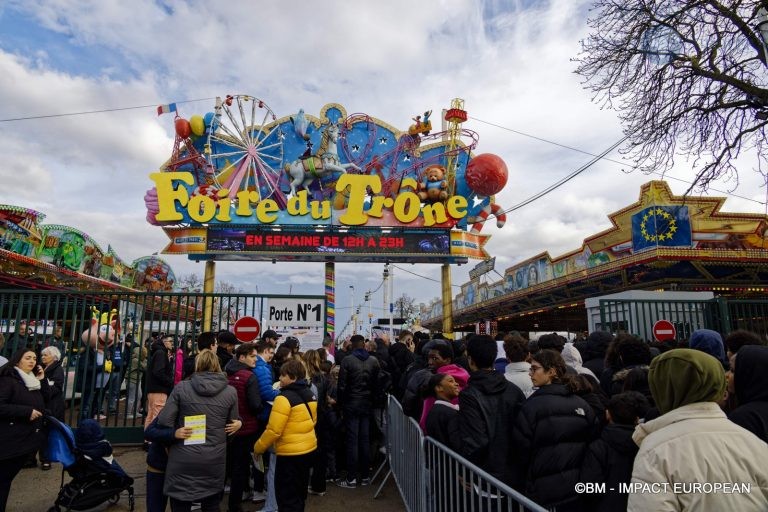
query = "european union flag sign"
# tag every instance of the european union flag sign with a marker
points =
(661, 226)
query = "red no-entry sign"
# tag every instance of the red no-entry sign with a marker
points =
(247, 329)
(664, 330)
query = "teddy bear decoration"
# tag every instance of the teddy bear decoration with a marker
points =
(434, 187)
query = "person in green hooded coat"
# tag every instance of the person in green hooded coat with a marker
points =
(692, 457)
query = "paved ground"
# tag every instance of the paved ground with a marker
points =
(35, 491)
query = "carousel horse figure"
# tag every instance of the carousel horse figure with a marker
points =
(305, 170)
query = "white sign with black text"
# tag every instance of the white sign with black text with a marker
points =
(298, 312)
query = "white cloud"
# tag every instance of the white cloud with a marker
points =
(510, 61)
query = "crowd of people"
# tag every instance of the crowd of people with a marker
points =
(270, 423)
(647, 424)
(280, 413)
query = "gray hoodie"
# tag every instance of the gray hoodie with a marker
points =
(197, 471)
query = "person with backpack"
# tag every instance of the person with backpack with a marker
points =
(291, 429)
(488, 407)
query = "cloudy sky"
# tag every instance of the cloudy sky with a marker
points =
(511, 61)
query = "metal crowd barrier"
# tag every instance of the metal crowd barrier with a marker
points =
(454, 483)
(405, 452)
(433, 478)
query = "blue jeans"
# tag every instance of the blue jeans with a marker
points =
(134, 397)
(270, 505)
(115, 382)
(358, 434)
(90, 404)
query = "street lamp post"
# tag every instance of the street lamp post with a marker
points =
(391, 301)
(370, 312)
(352, 311)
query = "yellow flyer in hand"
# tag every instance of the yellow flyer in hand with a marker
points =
(197, 424)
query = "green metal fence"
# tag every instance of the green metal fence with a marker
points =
(719, 314)
(80, 325)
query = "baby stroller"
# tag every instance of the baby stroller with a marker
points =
(93, 481)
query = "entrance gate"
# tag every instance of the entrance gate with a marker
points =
(719, 314)
(77, 323)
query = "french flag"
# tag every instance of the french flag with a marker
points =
(164, 109)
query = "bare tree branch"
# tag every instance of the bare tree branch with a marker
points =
(687, 78)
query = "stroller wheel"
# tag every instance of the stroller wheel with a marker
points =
(114, 499)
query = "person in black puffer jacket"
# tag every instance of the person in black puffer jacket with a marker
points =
(610, 458)
(24, 392)
(358, 379)
(54, 374)
(552, 433)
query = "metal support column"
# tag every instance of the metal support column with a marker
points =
(392, 301)
(330, 299)
(208, 282)
(447, 302)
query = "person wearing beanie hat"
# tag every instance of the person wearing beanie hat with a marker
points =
(693, 442)
(709, 342)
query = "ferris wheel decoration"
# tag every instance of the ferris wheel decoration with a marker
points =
(245, 147)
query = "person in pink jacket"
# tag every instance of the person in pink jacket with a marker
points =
(178, 364)
(440, 360)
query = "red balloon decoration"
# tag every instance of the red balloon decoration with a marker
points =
(183, 128)
(486, 174)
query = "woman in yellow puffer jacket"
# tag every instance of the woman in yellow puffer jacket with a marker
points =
(291, 428)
